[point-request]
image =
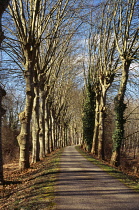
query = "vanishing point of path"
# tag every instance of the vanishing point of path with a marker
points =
(82, 185)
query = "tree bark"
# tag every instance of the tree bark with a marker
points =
(35, 127)
(51, 129)
(25, 118)
(55, 135)
(101, 124)
(42, 124)
(47, 137)
(96, 127)
(120, 107)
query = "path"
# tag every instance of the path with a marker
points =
(82, 185)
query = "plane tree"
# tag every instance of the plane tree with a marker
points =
(103, 66)
(126, 33)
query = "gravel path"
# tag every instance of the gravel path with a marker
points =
(82, 185)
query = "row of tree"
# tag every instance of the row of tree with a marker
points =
(113, 51)
(38, 36)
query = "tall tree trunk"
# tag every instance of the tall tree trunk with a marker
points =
(88, 116)
(101, 124)
(51, 129)
(35, 127)
(42, 124)
(55, 135)
(61, 136)
(58, 135)
(47, 137)
(25, 118)
(101, 135)
(96, 127)
(120, 107)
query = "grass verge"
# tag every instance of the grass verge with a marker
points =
(32, 189)
(129, 181)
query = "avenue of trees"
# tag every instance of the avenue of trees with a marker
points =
(75, 61)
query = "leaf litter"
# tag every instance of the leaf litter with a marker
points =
(30, 189)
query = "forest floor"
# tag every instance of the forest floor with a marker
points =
(34, 188)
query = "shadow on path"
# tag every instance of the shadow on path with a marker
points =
(82, 185)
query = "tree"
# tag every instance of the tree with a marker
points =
(25, 17)
(107, 67)
(3, 6)
(88, 114)
(126, 38)
(104, 62)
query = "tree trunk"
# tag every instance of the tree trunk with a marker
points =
(119, 109)
(119, 131)
(96, 126)
(47, 137)
(101, 124)
(101, 135)
(25, 118)
(2, 112)
(61, 136)
(58, 135)
(51, 129)
(42, 124)
(55, 135)
(35, 127)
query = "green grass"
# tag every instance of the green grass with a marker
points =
(129, 181)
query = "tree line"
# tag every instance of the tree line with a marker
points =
(113, 50)
(38, 39)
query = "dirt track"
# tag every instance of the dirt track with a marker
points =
(82, 185)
